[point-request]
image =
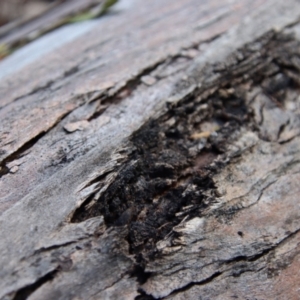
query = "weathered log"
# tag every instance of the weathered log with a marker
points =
(157, 156)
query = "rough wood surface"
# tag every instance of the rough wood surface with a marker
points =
(157, 159)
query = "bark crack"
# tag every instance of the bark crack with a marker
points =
(191, 284)
(25, 292)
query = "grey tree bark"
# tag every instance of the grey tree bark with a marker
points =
(155, 155)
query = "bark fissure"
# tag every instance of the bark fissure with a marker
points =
(26, 291)
(23, 149)
(190, 285)
(233, 267)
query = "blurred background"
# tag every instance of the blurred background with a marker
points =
(22, 21)
(13, 10)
